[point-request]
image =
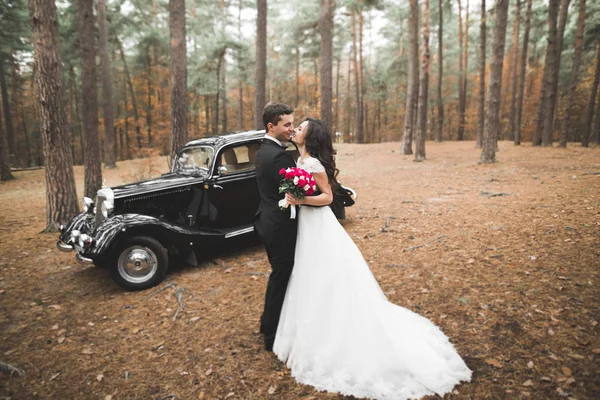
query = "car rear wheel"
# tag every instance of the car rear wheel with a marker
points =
(141, 263)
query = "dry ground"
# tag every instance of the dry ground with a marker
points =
(504, 258)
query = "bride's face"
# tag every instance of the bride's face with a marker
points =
(300, 133)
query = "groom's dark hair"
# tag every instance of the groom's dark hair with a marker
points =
(273, 111)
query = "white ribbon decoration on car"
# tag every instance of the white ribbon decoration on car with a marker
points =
(283, 203)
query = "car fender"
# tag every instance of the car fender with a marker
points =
(111, 231)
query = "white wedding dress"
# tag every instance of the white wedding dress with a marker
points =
(339, 333)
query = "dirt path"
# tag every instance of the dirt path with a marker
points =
(505, 258)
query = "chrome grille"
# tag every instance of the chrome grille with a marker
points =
(100, 198)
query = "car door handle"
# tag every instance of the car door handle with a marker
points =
(218, 187)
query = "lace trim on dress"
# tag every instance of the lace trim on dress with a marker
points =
(311, 165)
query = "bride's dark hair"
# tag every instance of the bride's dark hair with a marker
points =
(319, 145)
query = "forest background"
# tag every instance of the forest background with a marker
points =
(375, 71)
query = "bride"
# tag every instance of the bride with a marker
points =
(337, 331)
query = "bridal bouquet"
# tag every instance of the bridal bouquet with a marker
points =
(299, 183)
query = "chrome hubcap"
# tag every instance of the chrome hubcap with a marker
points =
(137, 264)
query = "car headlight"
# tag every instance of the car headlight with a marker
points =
(88, 204)
(85, 240)
(107, 208)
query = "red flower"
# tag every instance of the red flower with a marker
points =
(282, 171)
(289, 175)
(301, 182)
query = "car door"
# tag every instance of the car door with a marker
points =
(233, 194)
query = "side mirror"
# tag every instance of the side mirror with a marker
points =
(222, 170)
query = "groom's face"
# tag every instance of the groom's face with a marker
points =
(283, 129)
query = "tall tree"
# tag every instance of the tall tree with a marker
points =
(136, 117)
(463, 39)
(179, 104)
(89, 89)
(5, 173)
(551, 105)
(523, 69)
(440, 104)
(261, 62)
(587, 128)
(326, 57)
(361, 115)
(61, 197)
(10, 134)
(110, 153)
(492, 123)
(358, 114)
(564, 131)
(423, 88)
(549, 64)
(412, 84)
(481, 110)
(515, 62)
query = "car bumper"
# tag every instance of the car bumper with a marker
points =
(62, 246)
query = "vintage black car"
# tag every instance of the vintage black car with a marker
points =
(135, 229)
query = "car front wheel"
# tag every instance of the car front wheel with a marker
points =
(141, 263)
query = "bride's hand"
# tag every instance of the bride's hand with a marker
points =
(292, 200)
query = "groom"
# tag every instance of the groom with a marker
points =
(274, 227)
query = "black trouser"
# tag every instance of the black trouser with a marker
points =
(280, 250)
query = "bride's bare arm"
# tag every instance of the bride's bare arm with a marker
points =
(324, 199)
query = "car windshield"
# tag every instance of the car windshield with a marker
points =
(194, 159)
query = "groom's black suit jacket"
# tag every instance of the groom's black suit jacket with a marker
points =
(276, 231)
(270, 158)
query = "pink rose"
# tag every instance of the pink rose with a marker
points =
(282, 171)
(289, 175)
(301, 182)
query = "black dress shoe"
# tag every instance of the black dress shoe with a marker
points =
(269, 341)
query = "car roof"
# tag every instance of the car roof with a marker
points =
(223, 140)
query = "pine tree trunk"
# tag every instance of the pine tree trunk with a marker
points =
(587, 128)
(461, 75)
(413, 77)
(421, 133)
(348, 105)
(492, 123)
(515, 62)
(149, 96)
(326, 58)
(551, 105)
(358, 115)
(566, 128)
(440, 103)
(218, 95)
(522, 74)
(179, 98)
(61, 197)
(549, 65)
(5, 173)
(360, 132)
(224, 128)
(206, 115)
(261, 63)
(10, 135)
(297, 97)
(336, 120)
(138, 133)
(465, 64)
(596, 133)
(89, 90)
(481, 110)
(109, 128)
(125, 147)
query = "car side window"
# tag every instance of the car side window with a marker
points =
(238, 158)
